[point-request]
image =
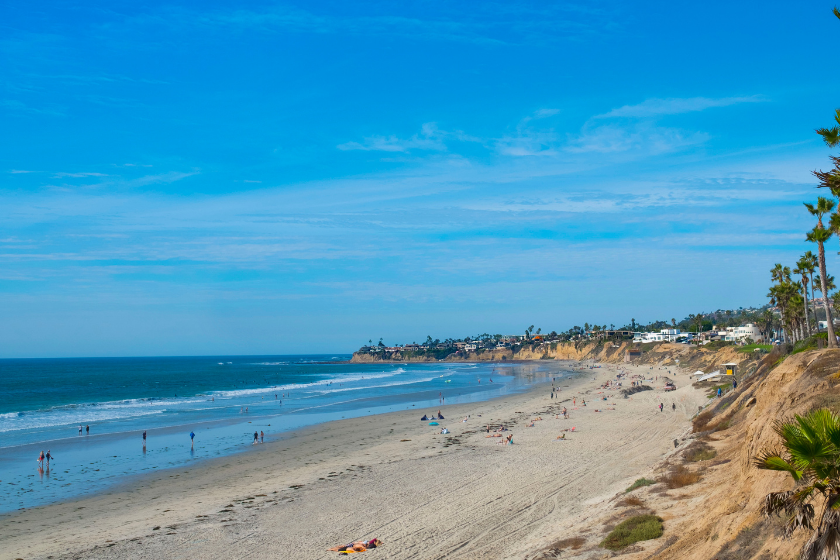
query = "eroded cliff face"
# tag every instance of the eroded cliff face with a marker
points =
(606, 352)
(728, 523)
(719, 517)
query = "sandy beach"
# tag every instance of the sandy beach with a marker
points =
(391, 476)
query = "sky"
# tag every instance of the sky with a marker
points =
(194, 178)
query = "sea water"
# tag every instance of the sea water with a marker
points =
(222, 399)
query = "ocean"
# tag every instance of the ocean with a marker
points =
(222, 399)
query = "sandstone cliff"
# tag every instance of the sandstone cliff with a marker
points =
(719, 516)
(607, 352)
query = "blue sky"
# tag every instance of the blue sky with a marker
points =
(275, 177)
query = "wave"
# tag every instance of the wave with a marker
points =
(28, 421)
(87, 413)
(301, 386)
(410, 382)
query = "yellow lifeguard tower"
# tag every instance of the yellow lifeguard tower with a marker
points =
(730, 368)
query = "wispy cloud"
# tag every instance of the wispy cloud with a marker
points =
(673, 106)
(21, 107)
(492, 24)
(527, 143)
(16, 171)
(78, 175)
(651, 140)
(430, 138)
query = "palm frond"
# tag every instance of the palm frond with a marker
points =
(824, 543)
(772, 460)
(831, 136)
(801, 517)
(800, 514)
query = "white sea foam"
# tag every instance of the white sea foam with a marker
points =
(88, 413)
(398, 383)
(302, 386)
(36, 420)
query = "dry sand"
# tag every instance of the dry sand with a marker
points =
(389, 476)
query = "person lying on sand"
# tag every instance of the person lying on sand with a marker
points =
(561, 436)
(494, 435)
(357, 546)
(531, 425)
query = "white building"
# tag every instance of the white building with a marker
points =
(649, 337)
(470, 346)
(741, 333)
(664, 335)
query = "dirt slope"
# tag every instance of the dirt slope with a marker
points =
(719, 516)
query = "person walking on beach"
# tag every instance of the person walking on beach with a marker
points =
(40, 460)
(48, 457)
(87, 430)
(192, 438)
(144, 439)
(256, 436)
(660, 407)
(262, 437)
(674, 407)
(80, 429)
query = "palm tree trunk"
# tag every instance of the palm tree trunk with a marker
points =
(807, 317)
(832, 341)
(814, 305)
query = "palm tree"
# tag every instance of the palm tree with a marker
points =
(820, 236)
(809, 263)
(802, 269)
(810, 453)
(767, 323)
(780, 295)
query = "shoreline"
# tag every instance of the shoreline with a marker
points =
(300, 471)
(117, 453)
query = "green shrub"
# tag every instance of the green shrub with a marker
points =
(718, 344)
(639, 483)
(633, 530)
(749, 348)
(809, 343)
(699, 451)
